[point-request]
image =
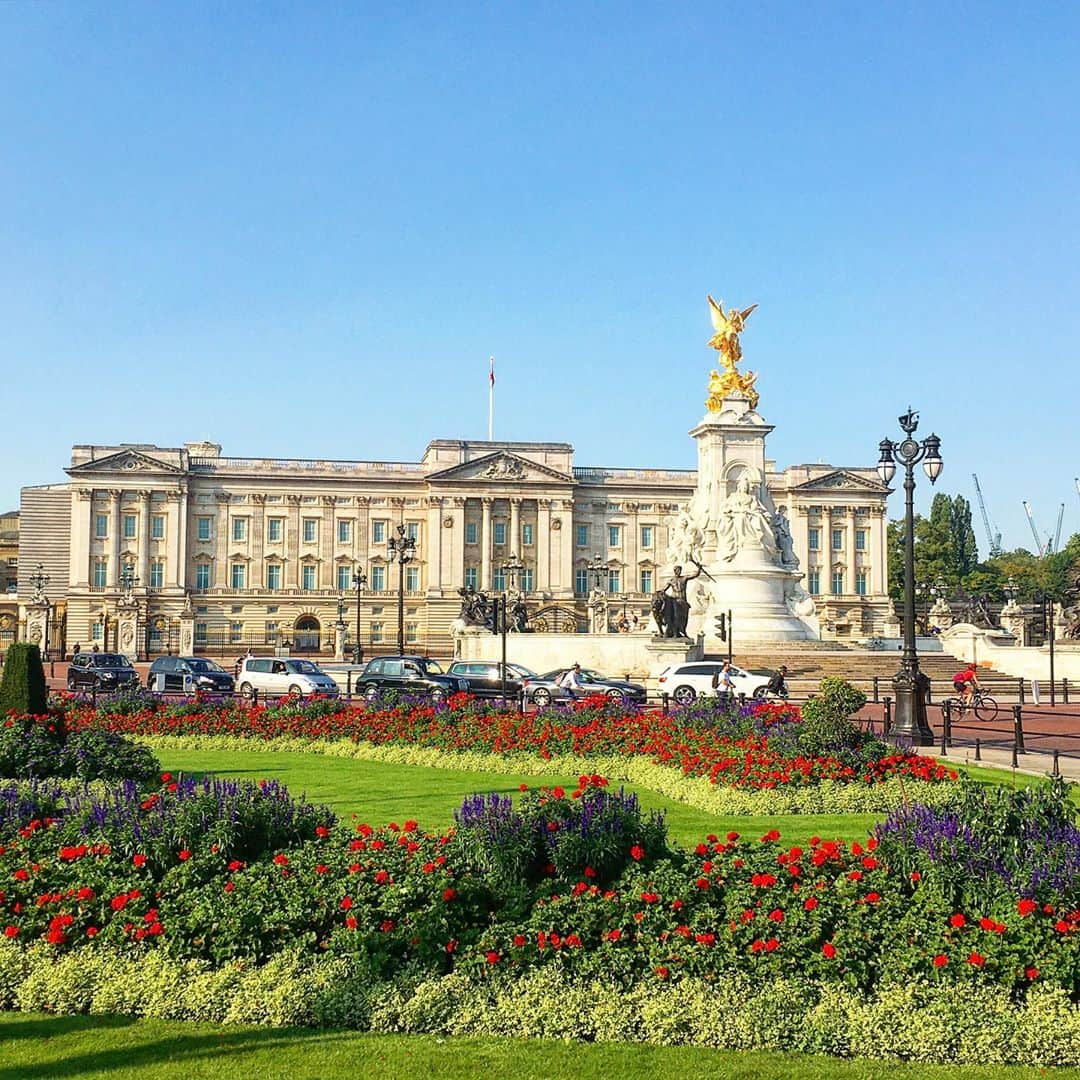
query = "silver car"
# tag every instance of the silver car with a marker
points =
(540, 691)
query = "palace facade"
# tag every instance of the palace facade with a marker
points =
(264, 552)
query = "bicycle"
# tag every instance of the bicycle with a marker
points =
(982, 705)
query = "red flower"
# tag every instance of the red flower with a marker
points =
(448, 895)
(1061, 926)
(915, 875)
(828, 950)
(662, 972)
(976, 960)
(350, 922)
(637, 853)
(492, 957)
(184, 855)
(91, 931)
(138, 860)
(11, 931)
(229, 886)
(940, 960)
(559, 792)
(281, 859)
(872, 897)
(776, 915)
(346, 903)
(614, 935)
(166, 777)
(1026, 907)
(732, 837)
(1031, 973)
(321, 830)
(519, 940)
(523, 787)
(810, 903)
(958, 921)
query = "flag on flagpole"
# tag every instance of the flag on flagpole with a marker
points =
(492, 371)
(491, 398)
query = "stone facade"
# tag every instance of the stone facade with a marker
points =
(261, 551)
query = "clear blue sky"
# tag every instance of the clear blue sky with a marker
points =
(300, 229)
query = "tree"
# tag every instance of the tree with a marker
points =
(22, 688)
(965, 551)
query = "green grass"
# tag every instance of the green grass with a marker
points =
(377, 792)
(36, 1047)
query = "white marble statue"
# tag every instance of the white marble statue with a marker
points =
(688, 533)
(744, 524)
(782, 532)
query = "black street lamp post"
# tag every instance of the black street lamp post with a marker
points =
(909, 683)
(38, 580)
(402, 547)
(359, 580)
(512, 567)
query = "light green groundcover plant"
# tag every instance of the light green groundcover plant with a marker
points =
(826, 797)
(920, 1022)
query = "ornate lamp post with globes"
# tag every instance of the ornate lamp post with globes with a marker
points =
(359, 580)
(402, 547)
(909, 683)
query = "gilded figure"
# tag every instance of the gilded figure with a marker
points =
(728, 326)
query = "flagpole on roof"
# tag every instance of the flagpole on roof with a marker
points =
(491, 399)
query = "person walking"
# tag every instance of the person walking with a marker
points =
(723, 684)
(570, 681)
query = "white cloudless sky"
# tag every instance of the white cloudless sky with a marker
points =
(301, 229)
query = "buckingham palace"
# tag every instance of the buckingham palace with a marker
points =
(269, 552)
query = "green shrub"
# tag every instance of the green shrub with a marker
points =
(22, 688)
(827, 721)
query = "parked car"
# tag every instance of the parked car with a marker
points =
(539, 690)
(484, 677)
(270, 675)
(687, 682)
(410, 674)
(595, 683)
(100, 671)
(177, 674)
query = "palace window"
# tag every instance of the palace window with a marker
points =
(271, 633)
(273, 576)
(499, 530)
(344, 532)
(200, 633)
(101, 526)
(860, 582)
(101, 573)
(815, 539)
(614, 535)
(344, 578)
(236, 632)
(527, 534)
(375, 636)
(311, 530)
(412, 530)
(157, 527)
(646, 536)
(308, 579)
(97, 631)
(581, 582)
(239, 529)
(378, 532)
(813, 582)
(378, 579)
(614, 581)
(238, 579)
(470, 532)
(498, 580)
(583, 536)
(202, 575)
(274, 529)
(860, 539)
(838, 539)
(838, 583)
(646, 581)
(131, 523)
(412, 631)
(157, 575)
(470, 577)
(527, 579)
(412, 578)
(202, 528)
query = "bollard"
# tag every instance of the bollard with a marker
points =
(887, 719)
(254, 698)
(52, 671)
(1057, 766)
(1018, 731)
(946, 727)
(978, 749)
(348, 685)
(875, 690)
(521, 701)
(1020, 690)
(1014, 753)
(664, 702)
(1065, 691)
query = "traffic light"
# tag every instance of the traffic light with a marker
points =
(721, 627)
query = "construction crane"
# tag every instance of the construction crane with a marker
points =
(993, 535)
(1057, 531)
(1040, 547)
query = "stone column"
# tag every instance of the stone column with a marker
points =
(454, 562)
(144, 539)
(327, 541)
(562, 579)
(436, 542)
(630, 583)
(114, 538)
(543, 545)
(187, 630)
(176, 537)
(514, 545)
(849, 573)
(292, 543)
(877, 550)
(82, 526)
(221, 577)
(258, 541)
(485, 544)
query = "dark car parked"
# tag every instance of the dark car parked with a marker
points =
(592, 682)
(408, 674)
(100, 671)
(485, 678)
(180, 674)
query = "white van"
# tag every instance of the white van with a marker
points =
(269, 675)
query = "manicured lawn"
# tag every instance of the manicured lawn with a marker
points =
(378, 792)
(118, 1048)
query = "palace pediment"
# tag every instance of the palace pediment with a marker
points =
(125, 462)
(842, 480)
(501, 467)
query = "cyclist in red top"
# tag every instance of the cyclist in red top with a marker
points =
(965, 683)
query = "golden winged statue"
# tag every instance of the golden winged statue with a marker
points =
(728, 326)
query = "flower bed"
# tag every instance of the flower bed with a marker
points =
(757, 747)
(198, 881)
